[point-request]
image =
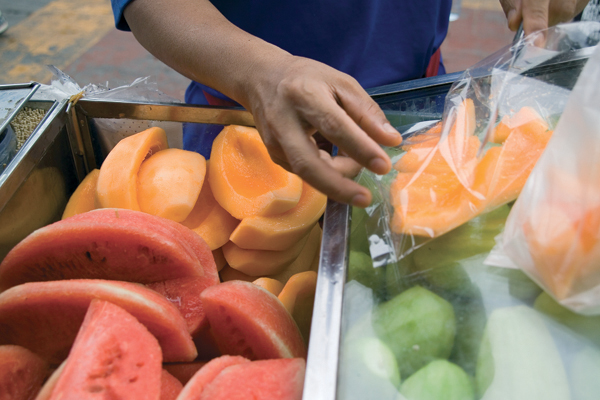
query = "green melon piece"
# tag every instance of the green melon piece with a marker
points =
(440, 379)
(367, 369)
(518, 358)
(587, 326)
(418, 326)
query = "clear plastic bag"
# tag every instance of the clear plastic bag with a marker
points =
(553, 230)
(111, 131)
(498, 118)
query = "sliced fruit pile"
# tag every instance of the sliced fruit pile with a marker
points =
(441, 181)
(126, 287)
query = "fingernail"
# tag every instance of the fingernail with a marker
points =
(389, 129)
(379, 166)
(361, 200)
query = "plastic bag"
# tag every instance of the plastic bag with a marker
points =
(497, 120)
(111, 131)
(553, 230)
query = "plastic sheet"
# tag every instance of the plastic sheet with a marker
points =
(553, 230)
(498, 118)
(142, 89)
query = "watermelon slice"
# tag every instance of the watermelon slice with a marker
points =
(281, 379)
(195, 386)
(46, 391)
(250, 321)
(114, 356)
(45, 316)
(21, 373)
(184, 371)
(184, 293)
(170, 387)
(110, 244)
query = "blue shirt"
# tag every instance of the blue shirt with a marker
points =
(375, 41)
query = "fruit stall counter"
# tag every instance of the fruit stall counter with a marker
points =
(435, 320)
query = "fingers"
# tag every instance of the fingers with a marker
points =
(326, 174)
(335, 124)
(367, 114)
(535, 15)
(512, 10)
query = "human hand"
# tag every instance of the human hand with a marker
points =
(540, 14)
(298, 97)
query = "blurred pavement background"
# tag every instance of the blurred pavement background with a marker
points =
(78, 37)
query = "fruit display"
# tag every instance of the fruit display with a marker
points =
(441, 324)
(168, 277)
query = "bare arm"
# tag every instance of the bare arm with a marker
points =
(290, 97)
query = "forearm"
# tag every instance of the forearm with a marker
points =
(196, 40)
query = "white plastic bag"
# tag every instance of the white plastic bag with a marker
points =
(553, 230)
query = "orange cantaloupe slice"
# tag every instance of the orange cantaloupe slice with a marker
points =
(515, 161)
(261, 262)
(561, 238)
(208, 219)
(280, 232)
(117, 183)
(169, 183)
(430, 204)
(83, 198)
(508, 123)
(306, 259)
(220, 260)
(298, 297)
(455, 186)
(454, 151)
(270, 284)
(244, 179)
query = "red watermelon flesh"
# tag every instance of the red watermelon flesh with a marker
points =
(195, 386)
(280, 379)
(250, 321)
(110, 244)
(185, 370)
(46, 391)
(170, 387)
(22, 373)
(114, 356)
(45, 316)
(184, 293)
